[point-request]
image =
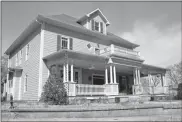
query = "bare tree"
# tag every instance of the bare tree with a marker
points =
(4, 66)
(175, 73)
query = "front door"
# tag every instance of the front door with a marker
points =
(98, 79)
(123, 84)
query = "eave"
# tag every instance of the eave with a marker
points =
(86, 31)
(29, 29)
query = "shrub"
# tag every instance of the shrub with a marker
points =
(54, 92)
(179, 94)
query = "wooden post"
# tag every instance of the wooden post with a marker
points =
(136, 76)
(106, 75)
(67, 72)
(64, 73)
(114, 68)
(139, 77)
(72, 72)
(111, 78)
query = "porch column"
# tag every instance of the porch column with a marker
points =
(162, 80)
(114, 68)
(72, 72)
(111, 78)
(149, 79)
(67, 72)
(106, 75)
(64, 73)
(134, 77)
(138, 76)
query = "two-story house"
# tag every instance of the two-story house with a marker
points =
(81, 52)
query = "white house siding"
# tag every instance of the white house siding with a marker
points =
(16, 85)
(80, 41)
(30, 67)
(50, 44)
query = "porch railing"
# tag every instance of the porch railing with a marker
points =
(113, 49)
(86, 89)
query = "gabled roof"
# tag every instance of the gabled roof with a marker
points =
(68, 22)
(98, 11)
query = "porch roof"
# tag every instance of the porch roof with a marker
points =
(76, 55)
(18, 68)
(146, 68)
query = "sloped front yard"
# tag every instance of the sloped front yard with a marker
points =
(91, 110)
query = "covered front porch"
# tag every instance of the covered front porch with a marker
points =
(93, 75)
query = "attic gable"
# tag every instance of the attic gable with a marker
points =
(94, 13)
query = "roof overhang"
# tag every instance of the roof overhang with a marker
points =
(150, 69)
(85, 31)
(14, 69)
(35, 24)
(91, 13)
(75, 55)
(30, 29)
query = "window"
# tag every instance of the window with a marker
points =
(10, 83)
(20, 60)
(97, 26)
(27, 52)
(25, 83)
(69, 76)
(101, 27)
(64, 43)
(16, 60)
(89, 45)
(76, 77)
(61, 75)
(97, 51)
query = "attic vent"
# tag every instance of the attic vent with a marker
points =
(89, 45)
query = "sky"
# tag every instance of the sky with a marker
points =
(155, 26)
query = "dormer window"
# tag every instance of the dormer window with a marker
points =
(97, 26)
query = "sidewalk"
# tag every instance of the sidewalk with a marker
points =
(134, 118)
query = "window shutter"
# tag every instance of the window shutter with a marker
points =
(101, 27)
(93, 25)
(58, 42)
(71, 44)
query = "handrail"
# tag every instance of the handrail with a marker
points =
(88, 89)
(114, 49)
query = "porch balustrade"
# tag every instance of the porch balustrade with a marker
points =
(113, 49)
(87, 89)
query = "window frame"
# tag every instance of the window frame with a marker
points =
(67, 40)
(95, 23)
(25, 83)
(16, 63)
(27, 51)
(20, 56)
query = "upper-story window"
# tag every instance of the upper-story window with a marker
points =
(20, 60)
(64, 42)
(27, 51)
(16, 60)
(97, 26)
(25, 83)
